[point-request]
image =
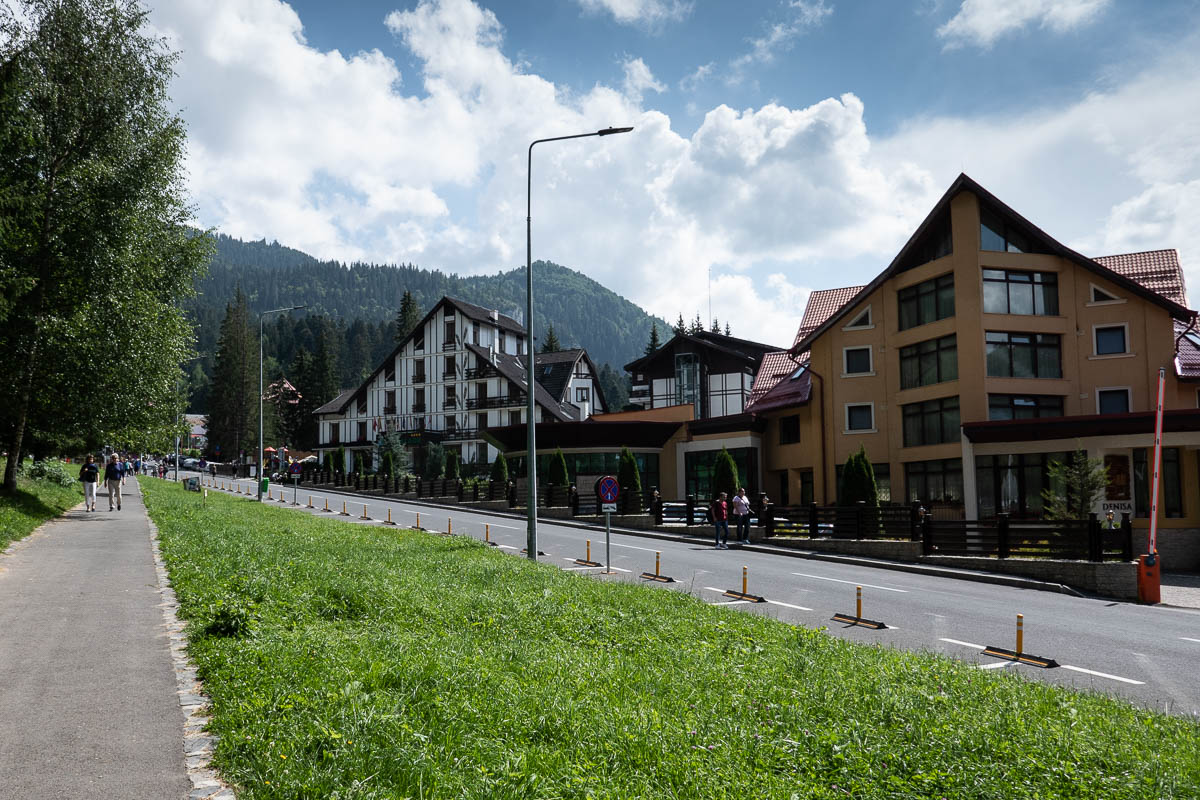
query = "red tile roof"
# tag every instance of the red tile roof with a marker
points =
(823, 304)
(792, 390)
(1187, 353)
(775, 366)
(1157, 270)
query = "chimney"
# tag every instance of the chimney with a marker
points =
(494, 315)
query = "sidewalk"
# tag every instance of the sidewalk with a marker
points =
(1181, 589)
(88, 694)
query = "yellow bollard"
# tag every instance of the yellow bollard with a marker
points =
(744, 569)
(589, 549)
(326, 503)
(657, 556)
(389, 521)
(1020, 633)
(310, 505)
(418, 520)
(449, 526)
(345, 513)
(858, 601)
(364, 514)
(487, 532)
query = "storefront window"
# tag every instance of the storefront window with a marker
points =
(1172, 482)
(937, 481)
(1013, 484)
(699, 467)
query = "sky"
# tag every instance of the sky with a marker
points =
(779, 146)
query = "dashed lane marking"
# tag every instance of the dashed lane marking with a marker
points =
(730, 603)
(852, 583)
(964, 644)
(788, 605)
(997, 665)
(1189, 639)
(576, 569)
(1103, 675)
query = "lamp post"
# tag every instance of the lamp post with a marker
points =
(259, 457)
(531, 409)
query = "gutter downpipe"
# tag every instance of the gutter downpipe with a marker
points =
(824, 464)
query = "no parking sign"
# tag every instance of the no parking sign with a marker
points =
(608, 490)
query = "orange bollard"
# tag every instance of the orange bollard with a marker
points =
(449, 526)
(364, 514)
(858, 601)
(487, 532)
(1020, 634)
(418, 527)
(744, 569)
(310, 505)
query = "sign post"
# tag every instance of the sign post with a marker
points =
(608, 490)
(295, 467)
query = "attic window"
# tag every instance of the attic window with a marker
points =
(1101, 296)
(863, 321)
(996, 234)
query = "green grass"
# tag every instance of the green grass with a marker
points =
(354, 662)
(33, 503)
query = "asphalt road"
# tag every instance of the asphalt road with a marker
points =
(1146, 654)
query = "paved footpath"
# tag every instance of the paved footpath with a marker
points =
(88, 694)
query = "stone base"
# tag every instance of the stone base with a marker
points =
(871, 548)
(1178, 548)
(1117, 579)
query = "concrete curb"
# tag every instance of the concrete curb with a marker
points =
(197, 742)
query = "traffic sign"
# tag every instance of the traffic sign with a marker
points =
(295, 468)
(608, 489)
(608, 508)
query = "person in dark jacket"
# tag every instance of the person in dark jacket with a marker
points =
(720, 516)
(112, 481)
(89, 472)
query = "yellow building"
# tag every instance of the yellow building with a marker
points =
(984, 351)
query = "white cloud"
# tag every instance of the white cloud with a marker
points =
(692, 80)
(801, 15)
(982, 22)
(640, 12)
(639, 80)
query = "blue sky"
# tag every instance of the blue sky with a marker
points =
(780, 145)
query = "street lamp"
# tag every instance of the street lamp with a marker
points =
(530, 418)
(259, 457)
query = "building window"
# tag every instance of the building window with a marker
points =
(582, 395)
(996, 234)
(418, 401)
(861, 322)
(451, 423)
(362, 431)
(475, 332)
(856, 361)
(806, 488)
(926, 302)
(501, 341)
(931, 422)
(389, 402)
(448, 370)
(860, 417)
(1113, 401)
(419, 339)
(929, 362)
(389, 371)
(1007, 291)
(1013, 484)
(937, 481)
(419, 371)
(1172, 486)
(1110, 339)
(1023, 355)
(1024, 406)
(1099, 296)
(514, 418)
(789, 429)
(360, 405)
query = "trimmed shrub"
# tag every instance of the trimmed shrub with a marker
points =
(725, 475)
(858, 480)
(452, 466)
(500, 469)
(628, 475)
(558, 469)
(340, 460)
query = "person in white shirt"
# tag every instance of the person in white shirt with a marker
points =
(741, 515)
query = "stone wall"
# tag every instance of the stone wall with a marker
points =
(1117, 579)
(1178, 548)
(871, 548)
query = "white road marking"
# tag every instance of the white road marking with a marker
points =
(635, 547)
(506, 547)
(997, 665)
(852, 583)
(730, 603)
(1189, 639)
(572, 569)
(611, 568)
(788, 605)
(964, 644)
(1103, 675)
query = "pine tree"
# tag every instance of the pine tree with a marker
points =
(558, 469)
(340, 460)
(408, 317)
(716, 326)
(451, 465)
(727, 332)
(628, 475)
(1075, 486)
(858, 480)
(389, 464)
(550, 343)
(654, 343)
(725, 475)
(233, 412)
(500, 469)
(697, 325)
(680, 326)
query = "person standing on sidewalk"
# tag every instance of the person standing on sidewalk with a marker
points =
(112, 481)
(741, 515)
(89, 472)
(720, 516)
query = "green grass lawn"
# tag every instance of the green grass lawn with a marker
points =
(33, 503)
(366, 662)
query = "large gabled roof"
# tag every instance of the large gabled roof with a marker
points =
(750, 352)
(1053, 246)
(513, 368)
(775, 366)
(1157, 270)
(554, 371)
(823, 304)
(338, 404)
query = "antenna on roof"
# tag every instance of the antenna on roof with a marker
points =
(710, 316)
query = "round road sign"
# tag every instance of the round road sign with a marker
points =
(608, 489)
(296, 468)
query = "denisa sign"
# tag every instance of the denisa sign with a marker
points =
(1118, 497)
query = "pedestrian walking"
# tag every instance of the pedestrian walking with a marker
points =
(720, 516)
(89, 473)
(112, 481)
(741, 515)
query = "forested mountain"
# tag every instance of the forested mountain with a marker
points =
(583, 313)
(351, 311)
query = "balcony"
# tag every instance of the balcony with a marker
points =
(418, 408)
(460, 434)
(475, 373)
(451, 403)
(494, 402)
(449, 376)
(418, 377)
(389, 411)
(449, 346)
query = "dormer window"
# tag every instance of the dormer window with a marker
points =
(1101, 296)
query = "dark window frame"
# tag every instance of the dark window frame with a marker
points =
(1172, 482)
(1098, 329)
(942, 416)
(920, 474)
(1012, 280)
(1039, 403)
(1124, 392)
(858, 350)
(1037, 344)
(926, 302)
(912, 358)
(847, 417)
(789, 429)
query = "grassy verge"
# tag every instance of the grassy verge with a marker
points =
(346, 661)
(33, 503)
